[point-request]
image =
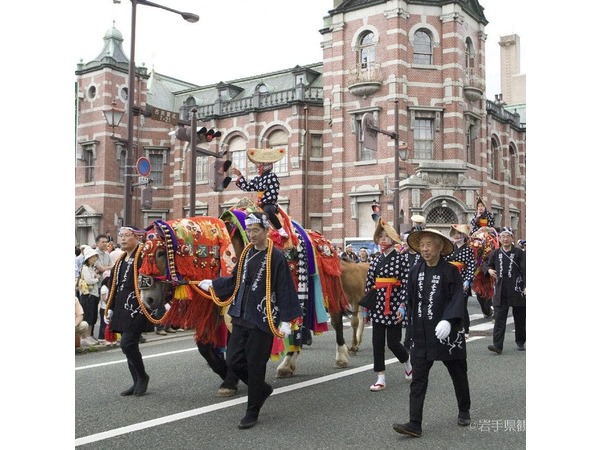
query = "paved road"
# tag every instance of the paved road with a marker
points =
(319, 408)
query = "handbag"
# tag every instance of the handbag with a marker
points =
(369, 300)
(84, 289)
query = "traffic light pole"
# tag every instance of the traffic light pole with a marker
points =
(193, 139)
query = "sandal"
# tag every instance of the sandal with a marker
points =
(377, 387)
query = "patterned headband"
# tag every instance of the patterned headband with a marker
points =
(251, 219)
(133, 230)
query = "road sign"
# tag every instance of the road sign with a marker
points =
(143, 166)
(162, 115)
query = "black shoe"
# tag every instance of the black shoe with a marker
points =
(141, 386)
(463, 420)
(142, 339)
(521, 347)
(248, 421)
(497, 350)
(408, 428)
(128, 392)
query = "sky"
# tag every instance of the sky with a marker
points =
(224, 46)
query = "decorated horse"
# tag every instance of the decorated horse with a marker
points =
(326, 285)
(483, 242)
(178, 254)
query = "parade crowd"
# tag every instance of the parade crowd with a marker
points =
(419, 282)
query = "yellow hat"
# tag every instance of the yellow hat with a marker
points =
(382, 225)
(265, 155)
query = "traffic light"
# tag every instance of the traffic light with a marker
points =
(219, 179)
(375, 207)
(205, 135)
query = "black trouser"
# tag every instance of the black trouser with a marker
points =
(485, 305)
(391, 334)
(130, 346)
(466, 314)
(218, 365)
(457, 369)
(519, 320)
(248, 351)
(271, 211)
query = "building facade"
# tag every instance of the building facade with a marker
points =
(416, 68)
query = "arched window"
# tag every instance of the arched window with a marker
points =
(422, 47)
(279, 139)
(367, 49)
(494, 158)
(441, 215)
(513, 161)
(469, 55)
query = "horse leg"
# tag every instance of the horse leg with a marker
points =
(288, 366)
(341, 349)
(357, 333)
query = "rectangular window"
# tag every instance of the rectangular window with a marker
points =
(88, 162)
(239, 160)
(423, 137)
(316, 146)
(156, 165)
(122, 164)
(470, 139)
(364, 153)
(202, 169)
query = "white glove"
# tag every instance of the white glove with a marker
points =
(206, 284)
(285, 328)
(108, 316)
(443, 329)
(167, 306)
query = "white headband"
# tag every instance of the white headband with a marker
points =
(252, 219)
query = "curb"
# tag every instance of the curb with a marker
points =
(150, 336)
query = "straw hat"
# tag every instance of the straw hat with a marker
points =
(463, 229)
(265, 155)
(382, 225)
(414, 238)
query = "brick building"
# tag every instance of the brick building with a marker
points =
(413, 66)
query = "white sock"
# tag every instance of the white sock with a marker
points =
(408, 366)
(381, 379)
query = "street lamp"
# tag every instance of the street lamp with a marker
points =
(189, 17)
(113, 116)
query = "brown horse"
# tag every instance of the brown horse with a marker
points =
(337, 284)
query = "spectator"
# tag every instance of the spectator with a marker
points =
(104, 259)
(90, 301)
(463, 258)
(349, 254)
(124, 314)
(363, 255)
(249, 346)
(385, 274)
(418, 221)
(104, 295)
(507, 265)
(81, 326)
(482, 217)
(435, 303)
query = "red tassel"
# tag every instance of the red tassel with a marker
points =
(109, 336)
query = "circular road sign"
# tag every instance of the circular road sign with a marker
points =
(143, 166)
